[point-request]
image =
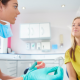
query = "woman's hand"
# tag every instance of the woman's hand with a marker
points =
(43, 74)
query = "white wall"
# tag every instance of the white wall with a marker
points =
(59, 25)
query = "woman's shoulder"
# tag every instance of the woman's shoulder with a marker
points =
(68, 51)
(67, 56)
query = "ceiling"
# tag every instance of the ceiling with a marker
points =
(48, 6)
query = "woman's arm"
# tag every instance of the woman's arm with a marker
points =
(19, 78)
(5, 77)
(71, 71)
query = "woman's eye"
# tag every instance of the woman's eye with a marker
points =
(78, 25)
(73, 25)
(15, 7)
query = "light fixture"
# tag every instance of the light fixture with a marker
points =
(63, 5)
(23, 8)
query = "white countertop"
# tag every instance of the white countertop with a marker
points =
(30, 56)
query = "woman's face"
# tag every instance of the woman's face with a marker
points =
(10, 11)
(76, 28)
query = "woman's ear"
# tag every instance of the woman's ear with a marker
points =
(0, 6)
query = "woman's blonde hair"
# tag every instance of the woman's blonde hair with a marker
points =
(73, 44)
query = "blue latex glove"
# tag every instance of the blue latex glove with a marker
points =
(33, 66)
(43, 74)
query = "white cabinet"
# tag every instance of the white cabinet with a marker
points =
(9, 67)
(3, 45)
(3, 67)
(24, 31)
(22, 65)
(34, 30)
(45, 30)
